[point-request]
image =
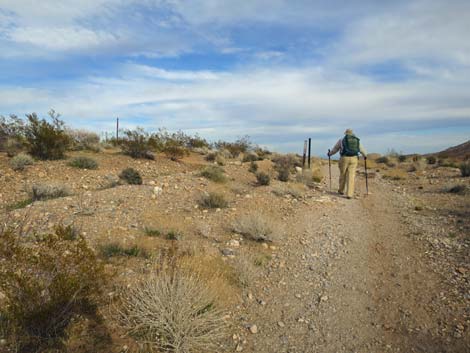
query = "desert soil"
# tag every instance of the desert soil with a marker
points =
(386, 272)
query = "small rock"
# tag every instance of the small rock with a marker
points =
(234, 243)
(281, 324)
(227, 252)
(239, 348)
(253, 329)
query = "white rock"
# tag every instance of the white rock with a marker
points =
(254, 329)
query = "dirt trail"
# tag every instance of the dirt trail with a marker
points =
(349, 279)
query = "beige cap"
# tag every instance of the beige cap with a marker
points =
(348, 132)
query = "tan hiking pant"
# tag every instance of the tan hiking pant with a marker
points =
(347, 174)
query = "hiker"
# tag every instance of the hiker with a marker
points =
(349, 148)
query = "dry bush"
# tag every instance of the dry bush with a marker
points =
(214, 173)
(417, 166)
(13, 146)
(283, 175)
(395, 174)
(173, 312)
(242, 145)
(263, 178)
(137, 144)
(250, 157)
(287, 161)
(83, 140)
(465, 169)
(131, 176)
(83, 163)
(41, 192)
(459, 189)
(431, 160)
(20, 161)
(310, 176)
(47, 282)
(220, 160)
(296, 190)
(256, 226)
(174, 151)
(213, 200)
(383, 160)
(253, 167)
(211, 156)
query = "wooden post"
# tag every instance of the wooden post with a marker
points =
(117, 130)
(309, 151)
(305, 154)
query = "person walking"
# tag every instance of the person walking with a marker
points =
(349, 148)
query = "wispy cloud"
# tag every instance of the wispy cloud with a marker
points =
(276, 70)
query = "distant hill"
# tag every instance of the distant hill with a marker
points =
(461, 151)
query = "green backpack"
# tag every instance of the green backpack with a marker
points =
(350, 146)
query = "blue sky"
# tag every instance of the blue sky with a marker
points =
(280, 71)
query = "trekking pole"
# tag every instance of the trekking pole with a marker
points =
(329, 166)
(367, 179)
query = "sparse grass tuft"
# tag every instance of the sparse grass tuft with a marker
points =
(213, 200)
(131, 176)
(40, 192)
(263, 178)
(115, 249)
(152, 232)
(21, 161)
(214, 173)
(395, 174)
(19, 205)
(255, 226)
(83, 163)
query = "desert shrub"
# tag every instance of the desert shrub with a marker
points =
(173, 312)
(83, 163)
(11, 133)
(255, 226)
(383, 160)
(283, 174)
(402, 158)
(213, 200)
(48, 282)
(465, 169)
(46, 140)
(447, 163)
(287, 161)
(175, 151)
(40, 192)
(115, 249)
(263, 178)
(131, 176)
(253, 167)
(197, 142)
(432, 160)
(137, 144)
(214, 173)
(418, 166)
(211, 156)
(152, 232)
(262, 153)
(241, 145)
(20, 161)
(395, 174)
(460, 189)
(220, 160)
(83, 140)
(310, 176)
(250, 157)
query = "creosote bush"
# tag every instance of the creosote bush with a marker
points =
(255, 226)
(131, 176)
(383, 160)
(174, 151)
(83, 163)
(172, 312)
(46, 140)
(213, 200)
(402, 158)
(214, 173)
(263, 178)
(40, 192)
(465, 169)
(47, 282)
(21, 161)
(137, 144)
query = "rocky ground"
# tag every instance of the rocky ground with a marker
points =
(387, 272)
